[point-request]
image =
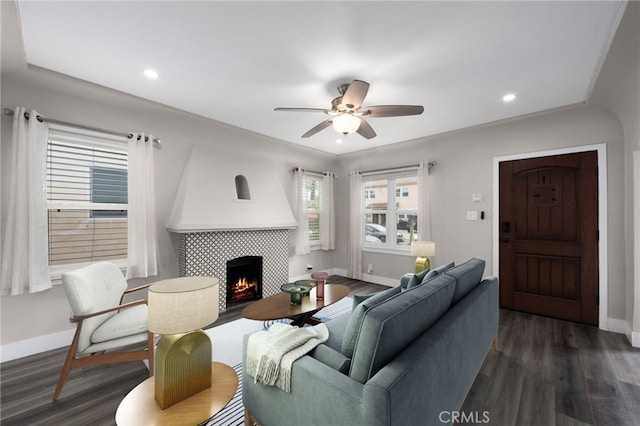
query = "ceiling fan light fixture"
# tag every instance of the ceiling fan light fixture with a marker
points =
(346, 123)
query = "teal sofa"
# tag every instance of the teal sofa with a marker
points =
(402, 357)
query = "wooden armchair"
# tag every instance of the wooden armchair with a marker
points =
(104, 323)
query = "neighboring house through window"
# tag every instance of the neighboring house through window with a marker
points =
(390, 222)
(86, 197)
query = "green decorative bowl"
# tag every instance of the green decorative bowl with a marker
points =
(297, 290)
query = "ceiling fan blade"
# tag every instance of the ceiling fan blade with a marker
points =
(392, 110)
(355, 94)
(302, 109)
(317, 128)
(365, 130)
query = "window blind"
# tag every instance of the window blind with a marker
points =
(86, 197)
(313, 197)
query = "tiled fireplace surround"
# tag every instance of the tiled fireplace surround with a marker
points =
(207, 253)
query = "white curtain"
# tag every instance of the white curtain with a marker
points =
(328, 213)
(302, 245)
(356, 226)
(25, 264)
(424, 206)
(142, 258)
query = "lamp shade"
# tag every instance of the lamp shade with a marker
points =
(423, 248)
(346, 123)
(180, 305)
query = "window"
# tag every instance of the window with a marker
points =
(390, 222)
(402, 192)
(312, 195)
(369, 193)
(108, 185)
(86, 197)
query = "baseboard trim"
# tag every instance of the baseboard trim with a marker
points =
(390, 282)
(36, 345)
(623, 327)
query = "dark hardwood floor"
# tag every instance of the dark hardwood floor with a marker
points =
(544, 372)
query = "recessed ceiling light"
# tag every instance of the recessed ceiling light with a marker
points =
(339, 140)
(151, 74)
(509, 97)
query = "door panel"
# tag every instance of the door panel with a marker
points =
(548, 236)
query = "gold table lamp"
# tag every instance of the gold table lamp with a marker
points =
(423, 250)
(178, 309)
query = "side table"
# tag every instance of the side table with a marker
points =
(140, 408)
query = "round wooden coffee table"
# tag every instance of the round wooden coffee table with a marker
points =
(140, 408)
(279, 306)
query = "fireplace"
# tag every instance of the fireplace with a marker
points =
(244, 279)
(207, 253)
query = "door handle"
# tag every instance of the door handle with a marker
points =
(506, 227)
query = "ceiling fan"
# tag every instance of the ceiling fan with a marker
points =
(347, 111)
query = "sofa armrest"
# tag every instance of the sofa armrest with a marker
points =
(332, 358)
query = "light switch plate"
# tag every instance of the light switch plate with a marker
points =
(472, 215)
(476, 198)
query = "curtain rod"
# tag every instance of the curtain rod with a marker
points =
(295, 169)
(9, 112)
(430, 164)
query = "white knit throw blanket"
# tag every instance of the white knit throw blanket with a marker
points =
(271, 353)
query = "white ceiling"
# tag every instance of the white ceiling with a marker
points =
(235, 61)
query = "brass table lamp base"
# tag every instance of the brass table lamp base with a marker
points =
(422, 264)
(182, 367)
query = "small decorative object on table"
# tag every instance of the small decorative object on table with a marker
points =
(311, 283)
(320, 278)
(297, 290)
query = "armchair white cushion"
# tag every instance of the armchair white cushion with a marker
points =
(95, 294)
(128, 322)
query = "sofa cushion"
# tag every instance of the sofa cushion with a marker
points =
(332, 358)
(391, 325)
(353, 326)
(467, 276)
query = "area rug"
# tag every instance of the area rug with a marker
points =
(227, 347)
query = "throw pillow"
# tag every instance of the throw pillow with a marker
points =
(355, 322)
(417, 278)
(359, 298)
(444, 268)
(432, 274)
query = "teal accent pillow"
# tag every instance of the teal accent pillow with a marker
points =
(417, 279)
(359, 298)
(352, 329)
(432, 274)
(444, 268)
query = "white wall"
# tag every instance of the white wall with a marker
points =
(465, 166)
(47, 313)
(618, 89)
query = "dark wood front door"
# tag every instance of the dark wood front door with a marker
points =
(549, 236)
